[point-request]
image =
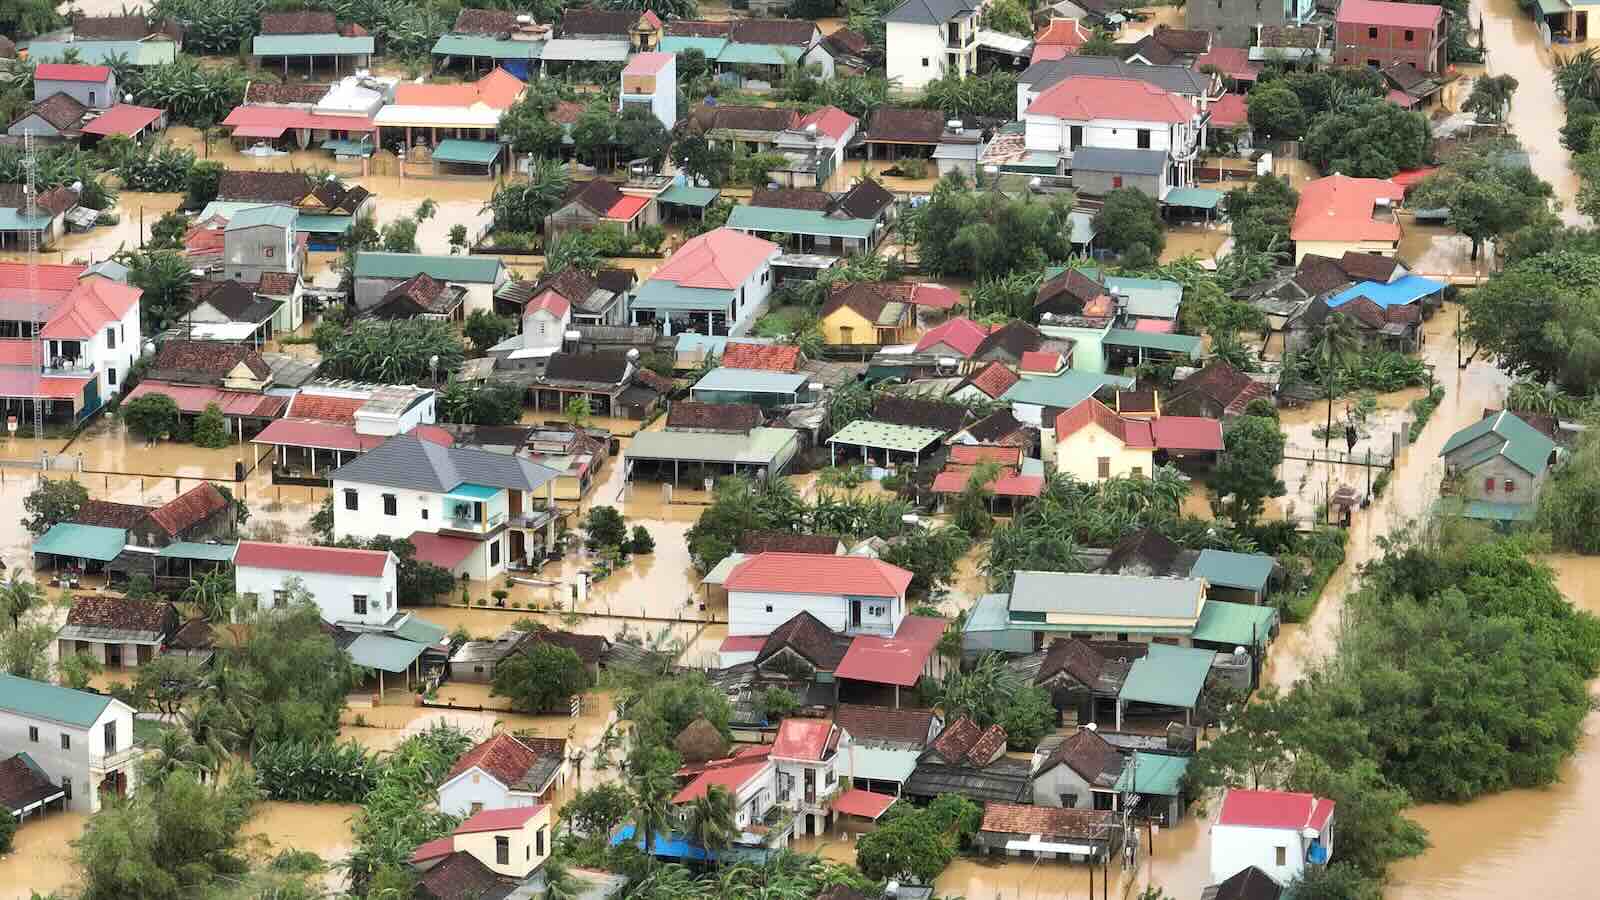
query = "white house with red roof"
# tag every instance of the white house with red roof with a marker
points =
(1339, 214)
(89, 327)
(1092, 443)
(807, 753)
(506, 771)
(650, 80)
(1278, 832)
(717, 284)
(93, 86)
(750, 776)
(348, 586)
(816, 145)
(1116, 132)
(849, 594)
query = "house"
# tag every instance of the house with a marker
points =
(1083, 678)
(233, 366)
(494, 37)
(332, 421)
(199, 515)
(1377, 34)
(1116, 132)
(468, 113)
(95, 87)
(1249, 883)
(760, 48)
(717, 418)
(767, 357)
(1106, 607)
(851, 52)
(131, 27)
(611, 381)
(1170, 47)
(1232, 576)
(1197, 87)
(813, 220)
(51, 209)
(884, 744)
(598, 35)
(958, 339)
(749, 777)
(506, 771)
(806, 754)
(878, 669)
(650, 80)
(347, 585)
(377, 273)
(1080, 772)
(311, 35)
(479, 860)
(1092, 443)
(1218, 391)
(83, 742)
(475, 661)
(802, 647)
(599, 300)
(421, 297)
(116, 632)
(864, 314)
(1278, 832)
(481, 508)
(102, 40)
(1058, 38)
(1233, 22)
(596, 202)
(1000, 428)
(1017, 478)
(925, 39)
(1078, 835)
(58, 116)
(754, 128)
(716, 283)
(1167, 679)
(89, 328)
(970, 761)
(27, 789)
(262, 239)
(124, 120)
(815, 147)
(849, 594)
(1500, 462)
(893, 132)
(1338, 214)
(274, 304)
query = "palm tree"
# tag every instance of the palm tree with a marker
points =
(17, 596)
(711, 821)
(1334, 342)
(652, 789)
(212, 592)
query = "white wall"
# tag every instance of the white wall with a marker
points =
(819, 56)
(751, 298)
(457, 795)
(332, 593)
(748, 615)
(907, 46)
(1235, 848)
(542, 330)
(1053, 135)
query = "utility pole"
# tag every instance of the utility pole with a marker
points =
(30, 193)
(1459, 364)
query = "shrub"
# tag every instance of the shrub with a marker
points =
(210, 428)
(300, 772)
(642, 541)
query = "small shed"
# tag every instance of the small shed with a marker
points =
(763, 388)
(682, 201)
(1243, 577)
(456, 156)
(1157, 778)
(382, 653)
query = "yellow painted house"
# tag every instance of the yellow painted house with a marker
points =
(511, 842)
(1093, 444)
(866, 315)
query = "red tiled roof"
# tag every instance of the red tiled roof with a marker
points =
(626, 208)
(802, 573)
(1131, 432)
(884, 660)
(189, 508)
(830, 121)
(499, 819)
(325, 407)
(1274, 809)
(731, 776)
(1009, 483)
(1186, 433)
(804, 739)
(124, 119)
(89, 307)
(502, 757)
(1040, 361)
(646, 63)
(441, 550)
(1229, 111)
(271, 121)
(434, 849)
(956, 739)
(193, 399)
(110, 515)
(1087, 97)
(857, 802)
(498, 90)
(1393, 15)
(1232, 62)
(549, 301)
(1339, 208)
(323, 435)
(935, 296)
(23, 784)
(960, 334)
(742, 643)
(301, 558)
(994, 379)
(53, 278)
(70, 72)
(1067, 33)
(719, 260)
(1049, 821)
(768, 357)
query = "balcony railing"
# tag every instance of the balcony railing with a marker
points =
(112, 760)
(69, 365)
(495, 520)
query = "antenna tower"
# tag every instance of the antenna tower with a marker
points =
(30, 193)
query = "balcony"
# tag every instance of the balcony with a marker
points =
(475, 526)
(113, 760)
(69, 365)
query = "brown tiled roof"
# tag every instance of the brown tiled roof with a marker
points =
(214, 359)
(1067, 293)
(121, 28)
(571, 283)
(659, 383)
(461, 876)
(598, 195)
(598, 21)
(1088, 754)
(1368, 266)
(303, 21)
(1184, 40)
(61, 110)
(1072, 657)
(502, 756)
(745, 118)
(268, 92)
(993, 379)
(324, 407)
(589, 647)
(791, 32)
(906, 126)
(189, 508)
(485, 21)
(1049, 821)
(265, 187)
(22, 784)
(1320, 274)
(864, 297)
(1145, 546)
(1407, 313)
(946, 417)
(617, 281)
(956, 740)
(1015, 338)
(788, 542)
(988, 747)
(566, 112)
(1136, 401)
(847, 41)
(106, 514)
(866, 200)
(1152, 50)
(700, 741)
(422, 289)
(123, 614)
(196, 634)
(806, 635)
(1218, 381)
(597, 368)
(238, 301)
(877, 723)
(995, 427)
(793, 198)
(1308, 37)
(768, 357)
(697, 28)
(1364, 311)
(740, 417)
(278, 284)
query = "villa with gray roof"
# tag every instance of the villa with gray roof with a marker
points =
(81, 741)
(924, 39)
(471, 512)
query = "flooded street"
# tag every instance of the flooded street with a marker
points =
(41, 856)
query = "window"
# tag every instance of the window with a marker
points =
(1280, 855)
(1372, 34)
(267, 250)
(1410, 35)
(1488, 485)
(111, 339)
(391, 506)
(91, 98)
(1104, 465)
(424, 513)
(769, 607)
(924, 62)
(66, 741)
(388, 599)
(66, 787)
(830, 777)
(359, 603)
(1116, 181)
(1373, 64)
(1069, 801)
(111, 737)
(1137, 471)
(1122, 636)
(539, 841)
(1075, 137)
(476, 807)
(1144, 138)
(478, 669)
(111, 377)
(280, 599)
(33, 733)
(350, 501)
(250, 600)
(502, 850)
(1510, 485)
(494, 553)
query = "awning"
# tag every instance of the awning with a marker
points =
(1193, 198)
(866, 804)
(684, 195)
(719, 573)
(260, 131)
(375, 651)
(348, 148)
(477, 153)
(441, 550)
(1037, 845)
(420, 631)
(75, 541)
(191, 550)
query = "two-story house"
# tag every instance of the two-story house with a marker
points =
(650, 80)
(924, 39)
(347, 585)
(261, 239)
(749, 776)
(1234, 22)
(1378, 33)
(475, 510)
(1338, 214)
(82, 741)
(717, 283)
(494, 853)
(1117, 132)
(849, 594)
(93, 86)
(89, 328)
(1501, 462)
(806, 753)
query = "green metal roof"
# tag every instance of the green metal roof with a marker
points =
(712, 47)
(990, 613)
(254, 216)
(1149, 340)
(1153, 773)
(41, 700)
(1554, 7)
(420, 631)
(799, 221)
(311, 45)
(751, 381)
(1168, 676)
(1065, 390)
(481, 45)
(684, 195)
(191, 550)
(1246, 571)
(138, 53)
(758, 55)
(1239, 624)
(761, 447)
(316, 223)
(479, 153)
(376, 651)
(1521, 443)
(14, 220)
(464, 268)
(75, 541)
(1498, 512)
(348, 148)
(1193, 198)
(660, 294)
(886, 436)
(1148, 297)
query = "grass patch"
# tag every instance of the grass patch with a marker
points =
(1423, 409)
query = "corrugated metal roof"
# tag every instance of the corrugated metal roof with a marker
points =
(684, 195)
(191, 550)
(1170, 343)
(311, 45)
(39, 700)
(1247, 571)
(138, 53)
(475, 269)
(94, 542)
(376, 651)
(758, 55)
(1239, 624)
(255, 216)
(1096, 594)
(1153, 773)
(761, 447)
(751, 381)
(798, 221)
(886, 436)
(482, 45)
(1108, 159)
(710, 46)
(1168, 676)
(479, 153)
(1065, 390)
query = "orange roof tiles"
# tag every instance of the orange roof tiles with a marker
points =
(768, 357)
(1340, 208)
(90, 306)
(1132, 433)
(1086, 97)
(719, 260)
(498, 90)
(802, 573)
(994, 379)
(830, 121)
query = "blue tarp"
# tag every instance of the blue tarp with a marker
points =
(1406, 290)
(678, 847)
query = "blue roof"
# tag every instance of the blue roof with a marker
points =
(1409, 289)
(475, 491)
(678, 847)
(690, 341)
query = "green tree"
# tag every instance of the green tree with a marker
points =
(458, 238)
(288, 675)
(528, 127)
(593, 135)
(1540, 319)
(573, 250)
(578, 412)
(959, 232)
(1261, 213)
(480, 404)
(660, 709)
(1569, 502)
(1100, 45)
(605, 527)
(522, 205)
(931, 556)
(1336, 881)
(151, 417)
(54, 500)
(1009, 17)
(640, 135)
(17, 593)
(25, 651)
(1488, 197)
(712, 826)
(163, 276)
(400, 236)
(650, 782)
(911, 846)
(210, 428)
(8, 830)
(642, 543)
(485, 329)
(29, 18)
(1247, 474)
(1491, 97)
(595, 813)
(1372, 138)
(1275, 111)
(388, 351)
(1131, 219)
(168, 231)
(77, 669)
(542, 679)
(1333, 343)
(702, 160)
